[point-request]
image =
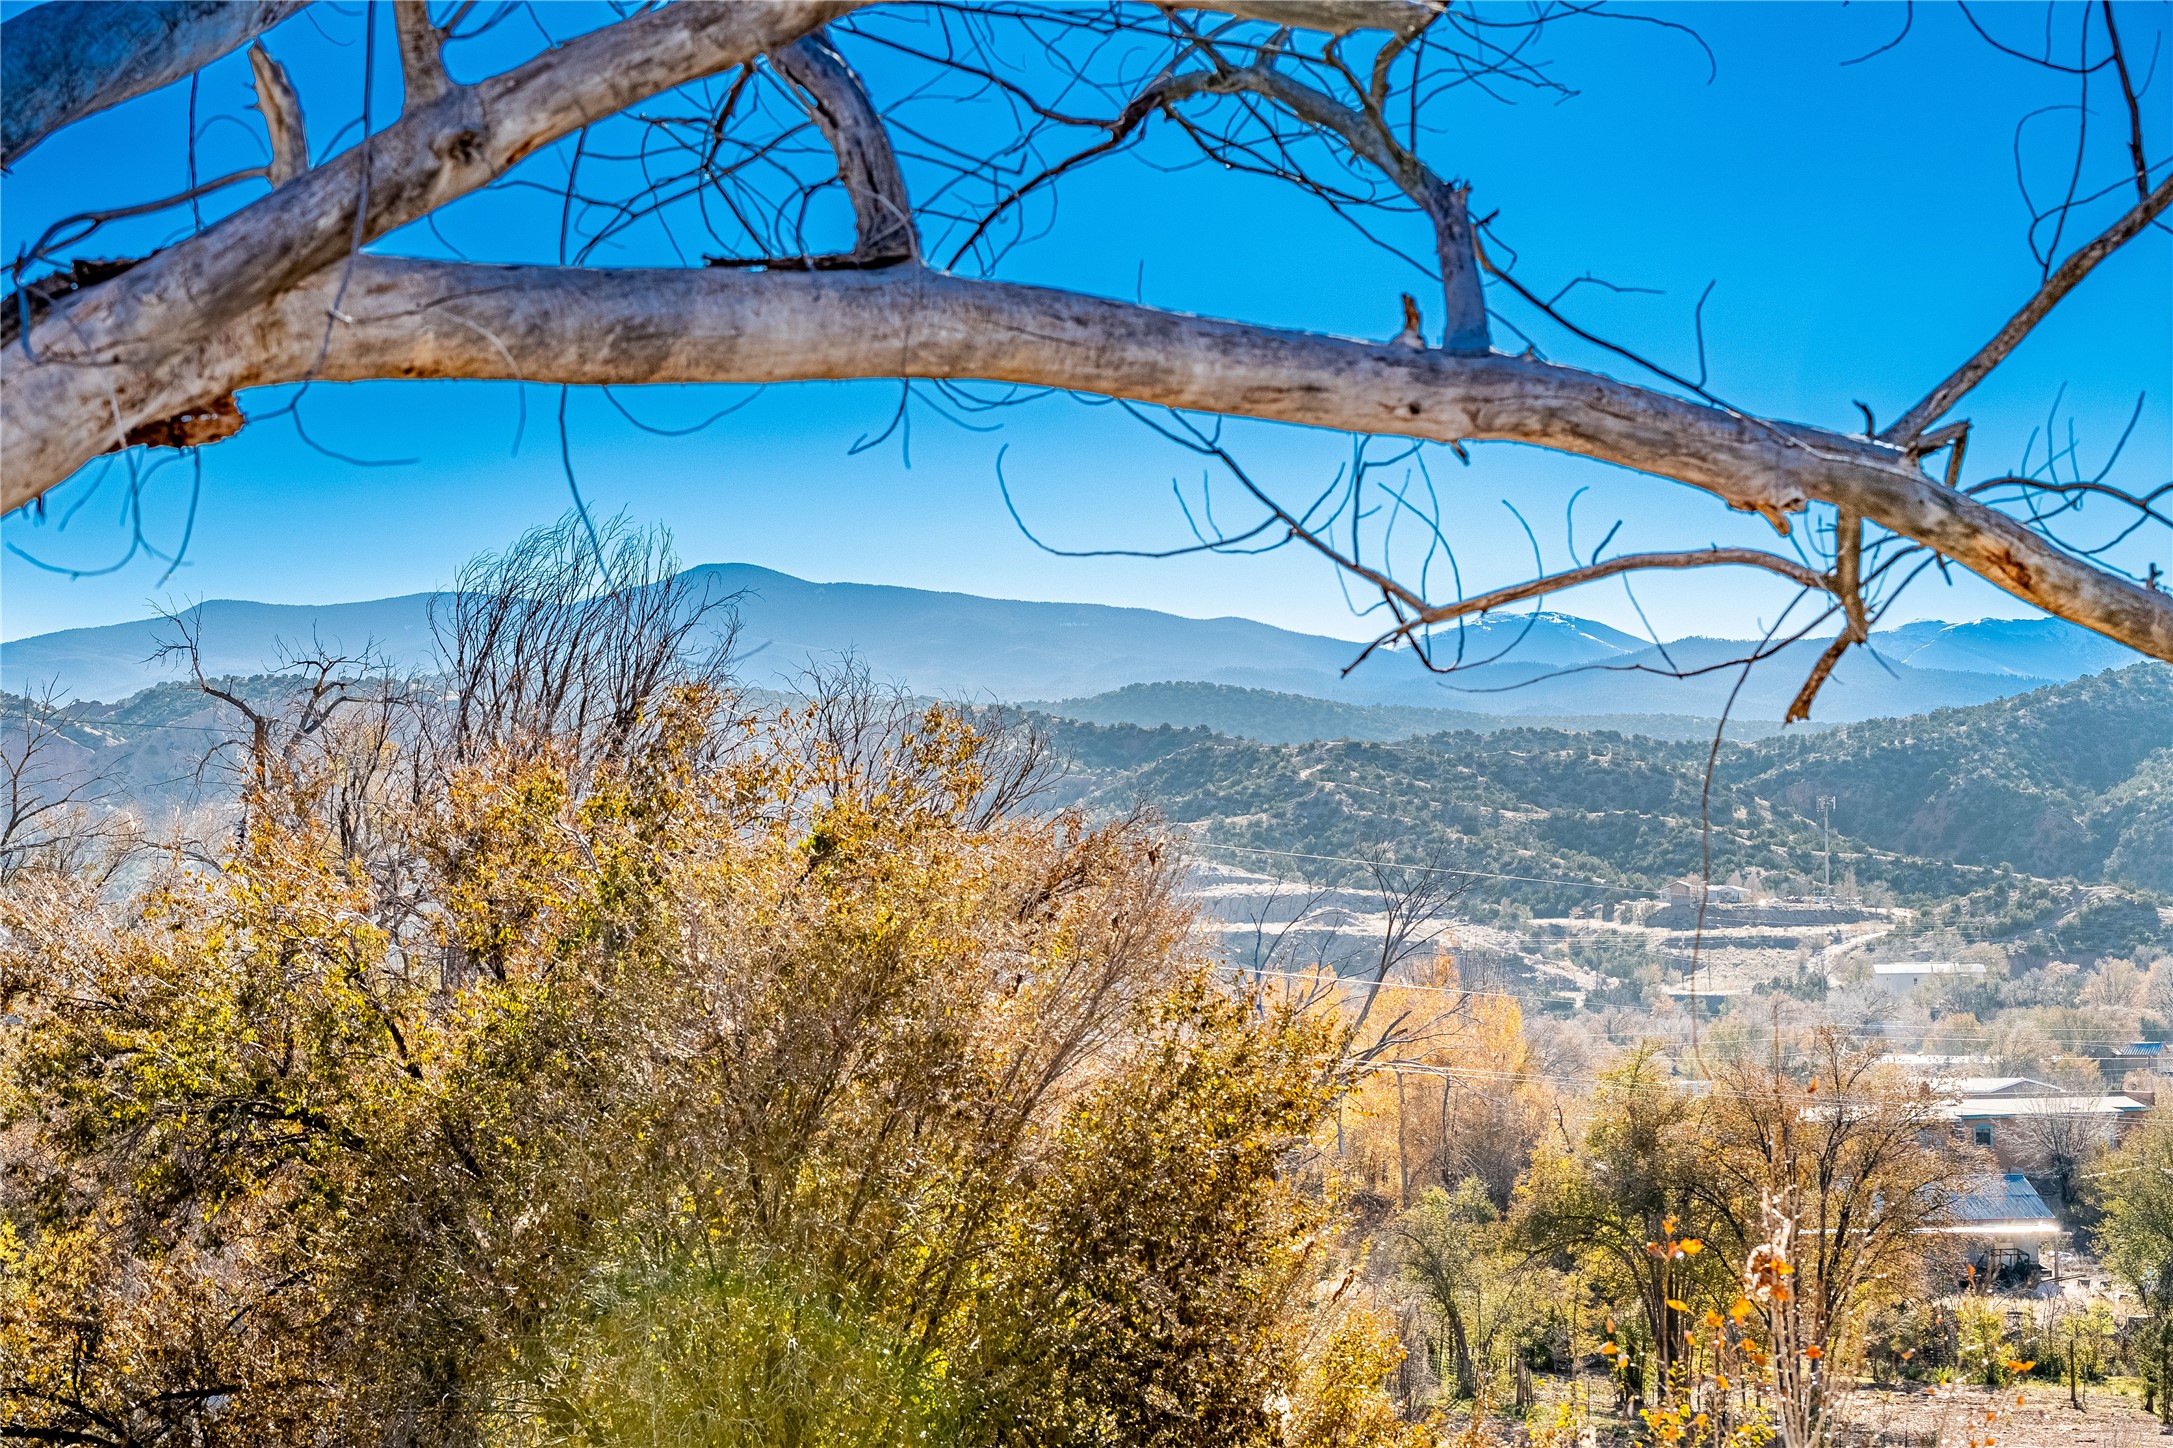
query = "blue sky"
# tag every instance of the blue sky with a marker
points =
(1860, 225)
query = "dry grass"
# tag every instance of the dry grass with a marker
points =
(2036, 1416)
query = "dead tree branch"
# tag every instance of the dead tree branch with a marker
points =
(282, 111)
(2063, 280)
(67, 59)
(1367, 134)
(430, 156)
(1716, 557)
(422, 58)
(114, 352)
(48, 800)
(1332, 17)
(417, 319)
(1848, 584)
(883, 228)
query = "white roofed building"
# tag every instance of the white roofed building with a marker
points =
(1903, 977)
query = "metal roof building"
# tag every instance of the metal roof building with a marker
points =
(2005, 1212)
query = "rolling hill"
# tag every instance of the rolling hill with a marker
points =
(1275, 718)
(2073, 781)
(1980, 813)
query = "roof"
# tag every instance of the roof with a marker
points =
(2005, 1201)
(2005, 1086)
(1978, 1107)
(1928, 967)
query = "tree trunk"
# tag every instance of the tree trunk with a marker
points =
(1467, 1378)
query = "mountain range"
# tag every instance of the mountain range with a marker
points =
(1530, 666)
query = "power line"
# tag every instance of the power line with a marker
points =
(1366, 983)
(1424, 869)
(1984, 930)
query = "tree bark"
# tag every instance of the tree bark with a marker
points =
(432, 155)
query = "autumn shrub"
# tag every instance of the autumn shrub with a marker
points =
(521, 1070)
(705, 1351)
(1984, 1349)
(1340, 1401)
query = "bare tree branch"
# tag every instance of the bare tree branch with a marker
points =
(422, 59)
(882, 214)
(2136, 156)
(430, 156)
(416, 319)
(282, 111)
(48, 802)
(118, 352)
(1715, 557)
(67, 59)
(1166, 90)
(1368, 135)
(2064, 280)
(1847, 584)
(1334, 17)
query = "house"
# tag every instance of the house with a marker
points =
(1683, 894)
(2006, 1220)
(2149, 1057)
(2007, 1124)
(1933, 1067)
(1976, 1087)
(1902, 977)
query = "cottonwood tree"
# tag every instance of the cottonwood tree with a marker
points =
(2135, 1189)
(702, 119)
(1821, 1176)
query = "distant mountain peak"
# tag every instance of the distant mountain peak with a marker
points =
(965, 645)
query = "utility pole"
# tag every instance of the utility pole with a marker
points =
(1825, 814)
(1403, 1160)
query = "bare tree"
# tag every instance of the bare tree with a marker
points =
(287, 715)
(51, 805)
(106, 355)
(2061, 1138)
(1415, 902)
(568, 638)
(1819, 1188)
(1278, 921)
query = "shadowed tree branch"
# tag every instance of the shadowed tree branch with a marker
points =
(883, 231)
(67, 59)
